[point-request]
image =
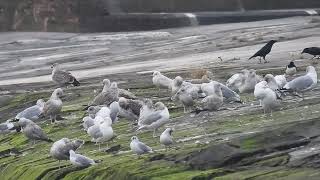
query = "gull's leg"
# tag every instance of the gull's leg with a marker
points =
(260, 101)
(154, 133)
(184, 109)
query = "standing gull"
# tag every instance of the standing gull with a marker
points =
(303, 83)
(158, 118)
(139, 147)
(32, 131)
(54, 105)
(166, 138)
(80, 160)
(146, 111)
(107, 96)
(63, 78)
(184, 98)
(60, 149)
(101, 131)
(33, 113)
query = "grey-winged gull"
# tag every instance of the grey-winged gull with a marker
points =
(228, 94)
(32, 131)
(60, 149)
(8, 127)
(114, 111)
(303, 83)
(101, 131)
(158, 118)
(88, 121)
(54, 105)
(33, 113)
(80, 160)
(63, 78)
(139, 147)
(184, 98)
(166, 137)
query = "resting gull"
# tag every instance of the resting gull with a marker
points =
(80, 160)
(63, 78)
(139, 147)
(33, 113)
(60, 149)
(32, 131)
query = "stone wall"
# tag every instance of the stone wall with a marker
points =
(92, 15)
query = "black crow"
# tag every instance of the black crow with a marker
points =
(315, 51)
(264, 51)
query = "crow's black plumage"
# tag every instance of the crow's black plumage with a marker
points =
(264, 51)
(315, 51)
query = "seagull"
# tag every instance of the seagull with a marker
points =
(88, 121)
(236, 80)
(264, 51)
(166, 138)
(60, 149)
(101, 131)
(146, 112)
(266, 96)
(32, 131)
(80, 160)
(184, 98)
(160, 80)
(176, 84)
(8, 127)
(54, 105)
(139, 147)
(272, 83)
(63, 78)
(130, 109)
(248, 84)
(291, 69)
(158, 118)
(303, 83)
(228, 94)
(33, 113)
(213, 101)
(281, 80)
(114, 111)
(109, 94)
